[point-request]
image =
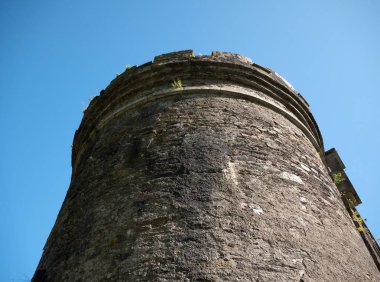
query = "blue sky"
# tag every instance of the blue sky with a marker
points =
(55, 55)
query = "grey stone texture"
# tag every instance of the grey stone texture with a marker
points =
(222, 179)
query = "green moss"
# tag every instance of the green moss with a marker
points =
(338, 178)
(177, 83)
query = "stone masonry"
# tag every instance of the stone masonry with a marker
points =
(202, 168)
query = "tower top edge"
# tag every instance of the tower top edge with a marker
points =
(189, 70)
(226, 57)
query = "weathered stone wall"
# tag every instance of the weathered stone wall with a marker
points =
(218, 180)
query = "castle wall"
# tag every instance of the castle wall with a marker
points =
(220, 178)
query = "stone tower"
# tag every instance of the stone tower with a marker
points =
(204, 168)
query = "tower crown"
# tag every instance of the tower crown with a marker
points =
(221, 73)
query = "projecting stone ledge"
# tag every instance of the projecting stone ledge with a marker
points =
(351, 199)
(336, 168)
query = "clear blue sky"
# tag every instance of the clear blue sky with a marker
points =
(55, 55)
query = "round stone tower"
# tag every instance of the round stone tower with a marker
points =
(202, 168)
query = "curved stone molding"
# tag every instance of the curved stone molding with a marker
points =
(220, 71)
